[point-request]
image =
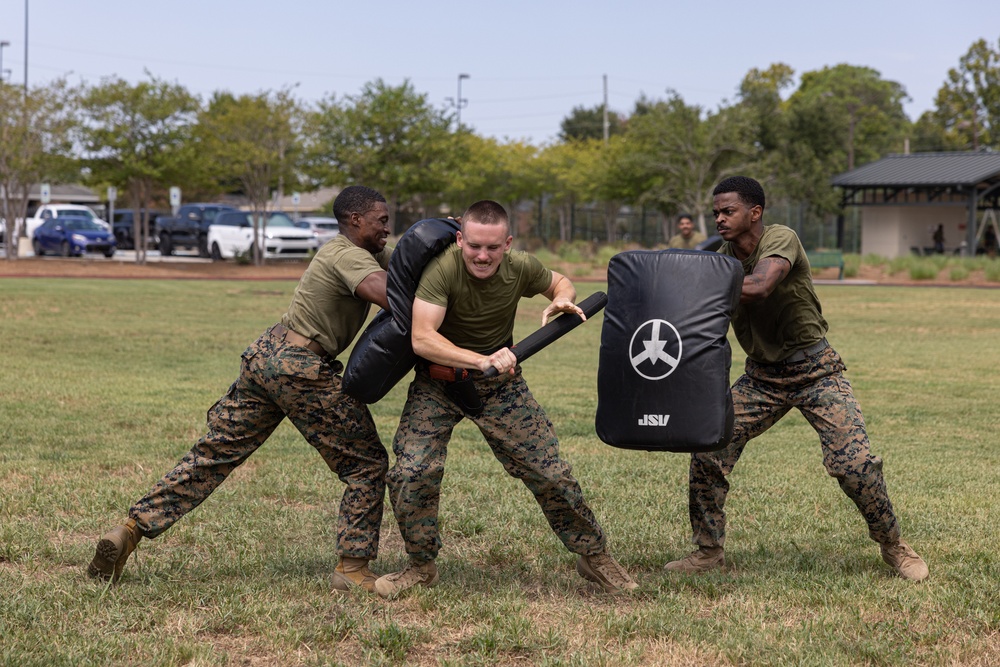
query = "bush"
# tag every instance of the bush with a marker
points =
(992, 271)
(924, 269)
(852, 265)
(605, 253)
(243, 257)
(958, 272)
(872, 259)
(575, 251)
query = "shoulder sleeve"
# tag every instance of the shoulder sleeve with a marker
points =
(434, 286)
(538, 277)
(780, 241)
(354, 264)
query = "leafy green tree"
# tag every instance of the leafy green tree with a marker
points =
(253, 140)
(36, 145)
(849, 114)
(588, 123)
(967, 107)
(387, 137)
(678, 152)
(138, 139)
(568, 173)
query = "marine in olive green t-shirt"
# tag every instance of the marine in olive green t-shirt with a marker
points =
(678, 241)
(480, 313)
(324, 306)
(791, 317)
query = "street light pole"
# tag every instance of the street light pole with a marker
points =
(461, 101)
(3, 44)
(26, 49)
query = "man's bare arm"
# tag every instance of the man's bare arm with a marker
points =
(431, 345)
(562, 294)
(765, 277)
(372, 289)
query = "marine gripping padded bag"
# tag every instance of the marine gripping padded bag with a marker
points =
(663, 374)
(384, 354)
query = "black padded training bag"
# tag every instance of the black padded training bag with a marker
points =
(384, 354)
(663, 374)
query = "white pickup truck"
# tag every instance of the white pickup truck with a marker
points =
(231, 233)
(46, 211)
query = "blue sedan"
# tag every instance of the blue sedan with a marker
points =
(72, 236)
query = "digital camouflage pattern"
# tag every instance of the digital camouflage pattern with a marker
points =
(764, 394)
(522, 439)
(276, 380)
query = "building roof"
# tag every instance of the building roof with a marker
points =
(70, 193)
(924, 169)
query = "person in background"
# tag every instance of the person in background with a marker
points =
(687, 237)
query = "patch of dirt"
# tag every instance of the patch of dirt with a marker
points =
(175, 268)
(184, 268)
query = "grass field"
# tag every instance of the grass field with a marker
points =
(104, 386)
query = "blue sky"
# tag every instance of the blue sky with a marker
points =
(529, 63)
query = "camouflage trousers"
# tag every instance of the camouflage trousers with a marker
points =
(762, 396)
(522, 439)
(276, 380)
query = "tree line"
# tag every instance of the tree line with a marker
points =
(623, 178)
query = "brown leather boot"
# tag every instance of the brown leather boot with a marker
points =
(113, 549)
(605, 571)
(701, 560)
(414, 574)
(351, 573)
(905, 561)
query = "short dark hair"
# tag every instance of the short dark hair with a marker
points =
(486, 212)
(747, 189)
(355, 199)
(685, 216)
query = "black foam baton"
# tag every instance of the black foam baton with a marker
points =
(554, 330)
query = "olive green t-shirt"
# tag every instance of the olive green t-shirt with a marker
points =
(480, 313)
(791, 318)
(324, 306)
(678, 241)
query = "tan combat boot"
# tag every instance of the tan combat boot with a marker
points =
(703, 559)
(351, 573)
(905, 561)
(604, 570)
(113, 549)
(423, 574)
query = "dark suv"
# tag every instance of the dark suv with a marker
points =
(123, 228)
(189, 229)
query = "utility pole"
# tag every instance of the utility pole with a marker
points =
(606, 127)
(25, 49)
(459, 102)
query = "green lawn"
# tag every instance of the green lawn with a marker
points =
(104, 386)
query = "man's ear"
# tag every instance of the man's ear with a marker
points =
(756, 212)
(458, 238)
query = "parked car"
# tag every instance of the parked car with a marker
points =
(48, 211)
(123, 223)
(189, 229)
(325, 229)
(232, 232)
(71, 236)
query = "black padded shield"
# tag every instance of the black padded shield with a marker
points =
(384, 354)
(663, 374)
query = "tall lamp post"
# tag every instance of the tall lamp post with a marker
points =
(459, 102)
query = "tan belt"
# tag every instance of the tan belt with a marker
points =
(289, 336)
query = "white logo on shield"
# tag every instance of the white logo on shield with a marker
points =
(648, 349)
